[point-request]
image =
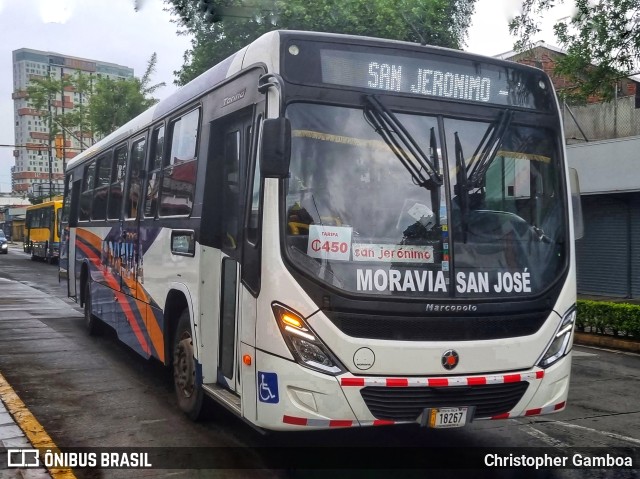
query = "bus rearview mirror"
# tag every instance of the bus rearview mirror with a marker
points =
(276, 148)
(578, 221)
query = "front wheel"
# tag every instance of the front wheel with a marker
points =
(188, 392)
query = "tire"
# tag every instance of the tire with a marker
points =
(188, 393)
(91, 322)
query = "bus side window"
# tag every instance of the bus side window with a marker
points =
(179, 175)
(87, 191)
(133, 194)
(117, 183)
(155, 169)
(101, 192)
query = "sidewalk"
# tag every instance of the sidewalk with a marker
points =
(12, 437)
(20, 306)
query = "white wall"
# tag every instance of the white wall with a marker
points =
(607, 166)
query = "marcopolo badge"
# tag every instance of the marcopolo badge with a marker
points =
(364, 359)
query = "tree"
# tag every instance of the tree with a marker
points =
(43, 94)
(435, 22)
(602, 41)
(115, 102)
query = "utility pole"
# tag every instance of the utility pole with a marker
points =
(64, 135)
(50, 135)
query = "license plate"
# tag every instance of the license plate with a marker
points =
(440, 418)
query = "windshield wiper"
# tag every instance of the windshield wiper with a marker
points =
(423, 172)
(462, 186)
(490, 143)
(435, 192)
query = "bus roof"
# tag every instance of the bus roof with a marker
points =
(264, 50)
(57, 201)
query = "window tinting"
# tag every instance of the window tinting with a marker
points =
(231, 188)
(101, 193)
(179, 177)
(87, 191)
(134, 186)
(254, 214)
(66, 206)
(155, 165)
(117, 182)
(39, 218)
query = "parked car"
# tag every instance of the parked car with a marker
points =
(4, 244)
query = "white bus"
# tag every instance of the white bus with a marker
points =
(333, 231)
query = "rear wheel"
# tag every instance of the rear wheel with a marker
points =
(91, 322)
(188, 392)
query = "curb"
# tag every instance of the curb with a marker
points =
(608, 342)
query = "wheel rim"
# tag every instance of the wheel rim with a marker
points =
(183, 366)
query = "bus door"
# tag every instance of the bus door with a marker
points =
(69, 221)
(235, 140)
(132, 217)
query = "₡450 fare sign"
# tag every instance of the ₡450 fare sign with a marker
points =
(329, 242)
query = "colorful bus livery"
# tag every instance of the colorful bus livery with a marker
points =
(42, 230)
(334, 231)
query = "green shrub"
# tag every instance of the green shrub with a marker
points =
(619, 319)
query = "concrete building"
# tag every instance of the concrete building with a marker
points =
(38, 168)
(12, 215)
(603, 145)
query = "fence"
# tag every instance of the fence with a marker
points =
(601, 121)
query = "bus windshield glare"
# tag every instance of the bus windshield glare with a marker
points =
(358, 219)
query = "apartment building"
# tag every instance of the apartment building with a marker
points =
(39, 168)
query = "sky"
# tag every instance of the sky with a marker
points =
(112, 31)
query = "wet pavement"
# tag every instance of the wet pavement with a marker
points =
(95, 392)
(21, 310)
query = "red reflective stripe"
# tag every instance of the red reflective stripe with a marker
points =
(383, 422)
(476, 381)
(298, 421)
(539, 374)
(438, 382)
(397, 382)
(501, 416)
(352, 381)
(559, 406)
(533, 412)
(340, 423)
(512, 378)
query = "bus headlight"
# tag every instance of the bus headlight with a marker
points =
(561, 343)
(305, 346)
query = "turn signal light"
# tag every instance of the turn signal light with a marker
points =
(291, 320)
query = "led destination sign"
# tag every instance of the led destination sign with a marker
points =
(424, 74)
(458, 80)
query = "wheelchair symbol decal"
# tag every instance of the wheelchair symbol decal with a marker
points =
(268, 387)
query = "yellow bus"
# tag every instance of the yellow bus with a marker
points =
(42, 230)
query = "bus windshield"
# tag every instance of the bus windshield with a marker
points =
(358, 219)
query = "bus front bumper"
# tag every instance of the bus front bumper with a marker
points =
(307, 399)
